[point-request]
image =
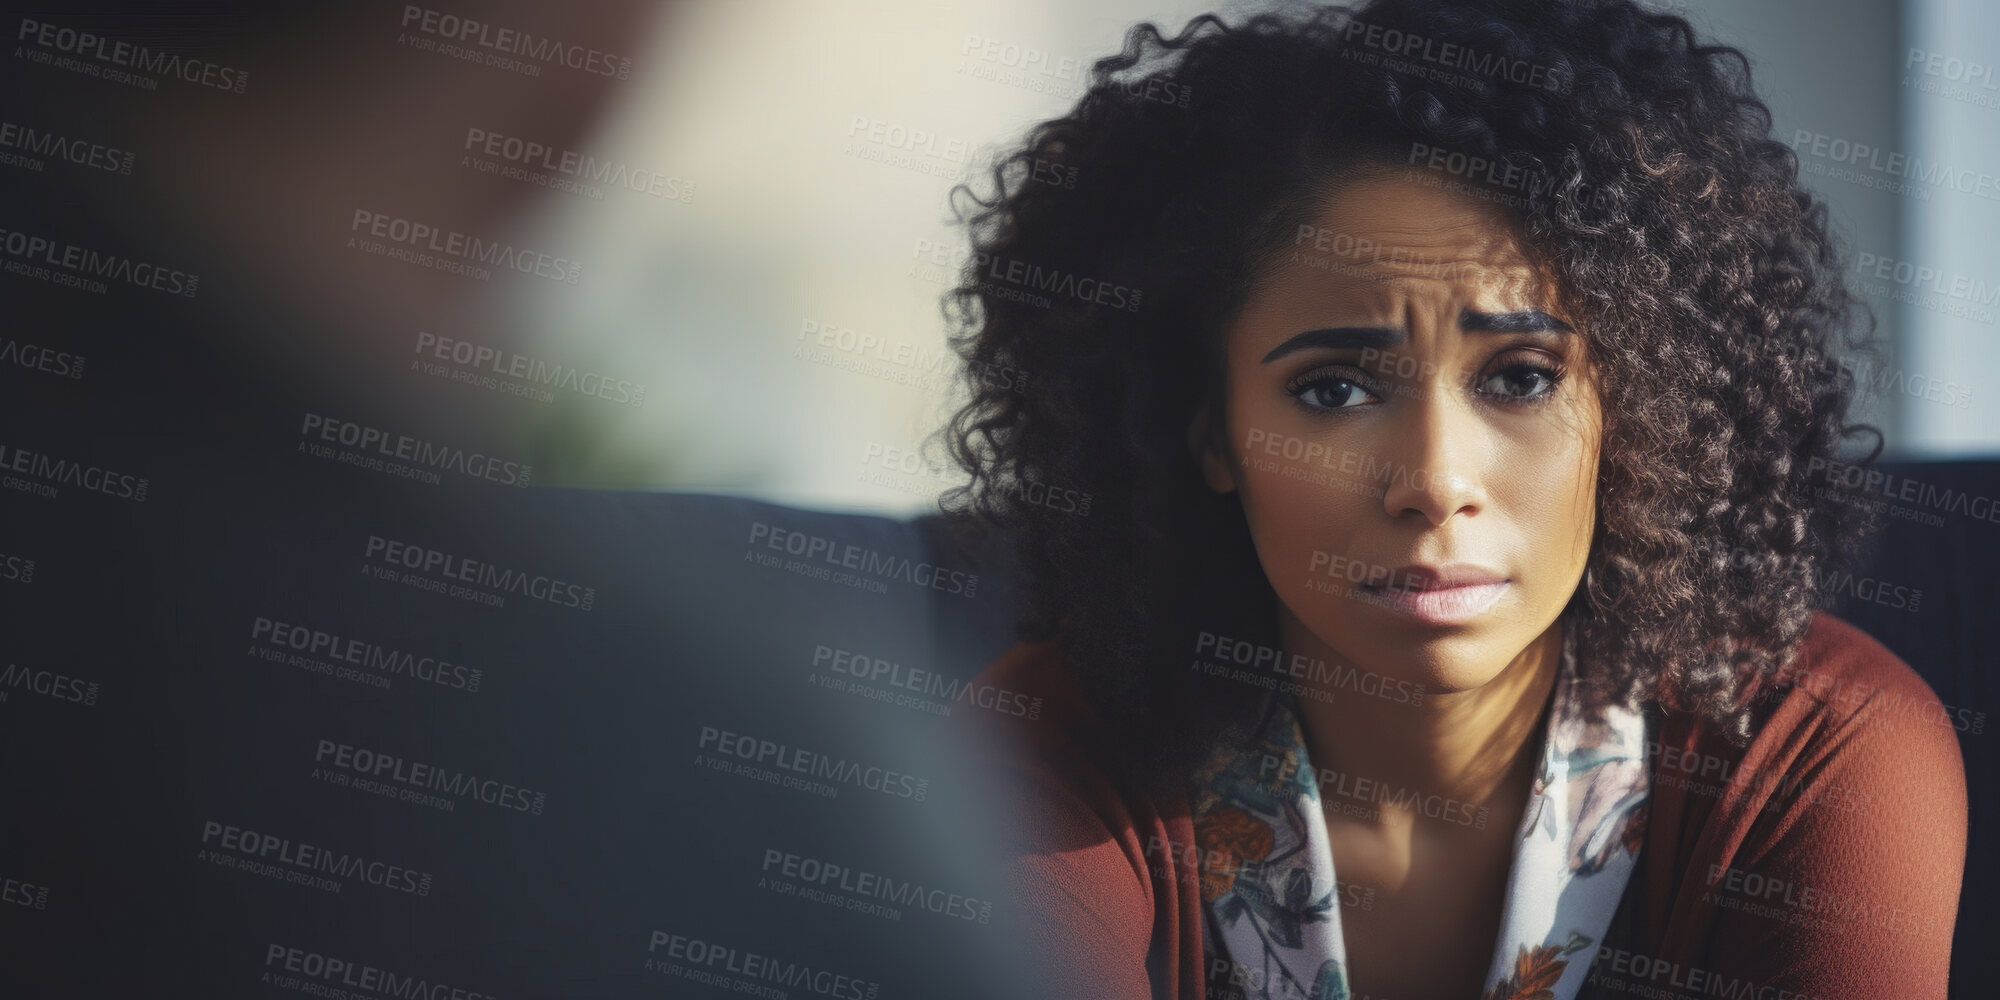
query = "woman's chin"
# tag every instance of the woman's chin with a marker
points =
(1440, 663)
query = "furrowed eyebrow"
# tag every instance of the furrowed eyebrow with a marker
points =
(1338, 338)
(1471, 321)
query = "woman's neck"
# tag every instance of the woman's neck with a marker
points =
(1472, 747)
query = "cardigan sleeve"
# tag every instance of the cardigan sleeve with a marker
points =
(1086, 917)
(1076, 893)
(1848, 886)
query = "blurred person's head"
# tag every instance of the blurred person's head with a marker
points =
(340, 119)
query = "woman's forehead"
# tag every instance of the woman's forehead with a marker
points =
(1422, 215)
(1384, 282)
(1392, 237)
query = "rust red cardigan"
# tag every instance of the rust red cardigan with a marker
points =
(1823, 860)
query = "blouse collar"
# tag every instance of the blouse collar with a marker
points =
(1266, 866)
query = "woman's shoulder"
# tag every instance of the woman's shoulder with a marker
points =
(1848, 720)
(1088, 872)
(1846, 674)
(1852, 709)
(1832, 841)
(1051, 721)
(1048, 734)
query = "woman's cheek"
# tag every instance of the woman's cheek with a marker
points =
(1302, 527)
(1551, 495)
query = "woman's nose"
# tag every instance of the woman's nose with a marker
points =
(1436, 461)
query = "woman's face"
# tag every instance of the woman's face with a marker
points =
(1412, 428)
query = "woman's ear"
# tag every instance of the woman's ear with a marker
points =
(1204, 445)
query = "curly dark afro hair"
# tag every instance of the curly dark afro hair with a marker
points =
(1118, 241)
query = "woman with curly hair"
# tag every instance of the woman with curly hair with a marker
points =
(1451, 389)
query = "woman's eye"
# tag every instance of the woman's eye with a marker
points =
(1331, 392)
(1523, 381)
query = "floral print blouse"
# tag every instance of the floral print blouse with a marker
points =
(1268, 885)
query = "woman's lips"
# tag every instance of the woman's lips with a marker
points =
(1437, 606)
